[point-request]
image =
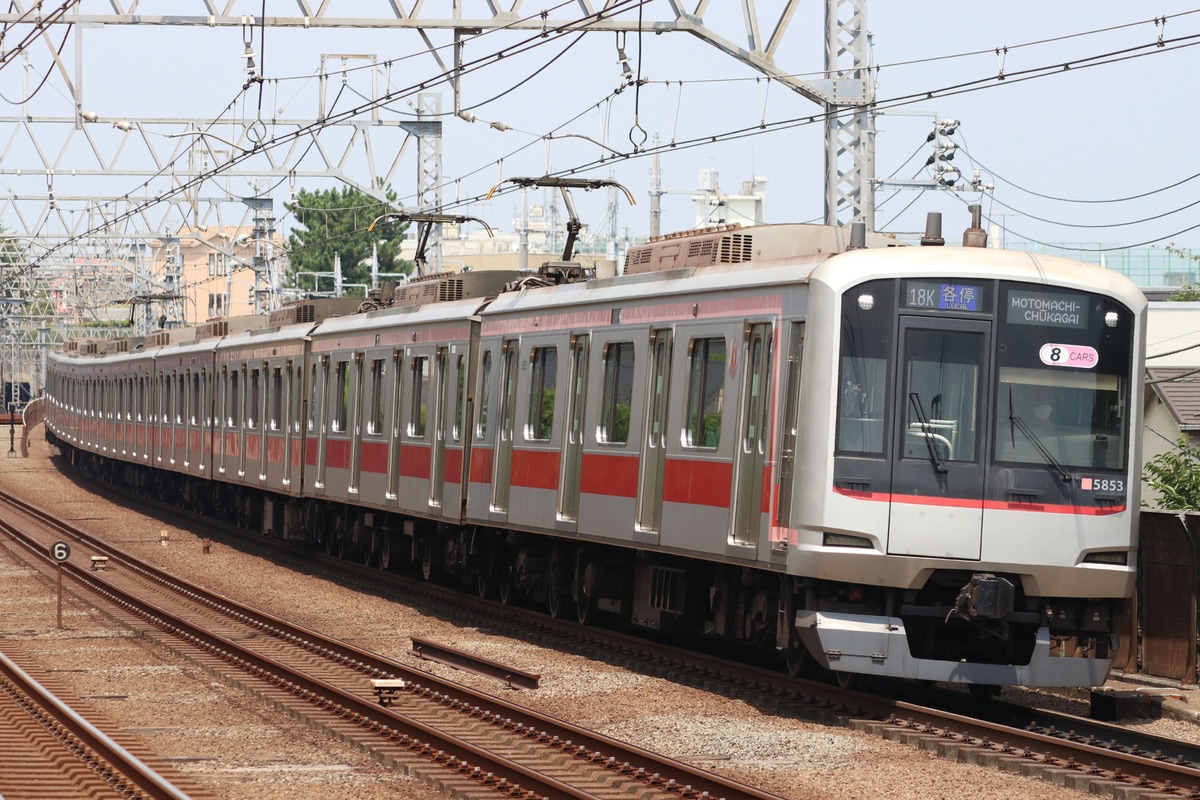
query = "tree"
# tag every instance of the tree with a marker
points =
(335, 221)
(1175, 476)
(1189, 292)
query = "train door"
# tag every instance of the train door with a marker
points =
(572, 445)
(502, 464)
(319, 424)
(261, 402)
(789, 425)
(394, 429)
(354, 407)
(277, 435)
(654, 435)
(939, 414)
(293, 384)
(245, 412)
(750, 460)
(437, 457)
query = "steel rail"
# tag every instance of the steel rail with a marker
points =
(120, 760)
(620, 756)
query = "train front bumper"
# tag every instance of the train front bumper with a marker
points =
(877, 645)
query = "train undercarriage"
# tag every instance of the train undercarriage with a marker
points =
(956, 618)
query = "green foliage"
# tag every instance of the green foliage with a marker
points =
(1188, 293)
(335, 221)
(1191, 292)
(1175, 476)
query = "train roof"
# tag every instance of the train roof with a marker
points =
(733, 244)
(857, 266)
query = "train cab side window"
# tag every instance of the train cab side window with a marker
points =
(617, 400)
(485, 394)
(540, 423)
(706, 392)
(341, 397)
(419, 406)
(868, 316)
(374, 411)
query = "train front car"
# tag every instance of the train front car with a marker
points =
(977, 522)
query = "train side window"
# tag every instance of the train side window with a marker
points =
(276, 394)
(252, 405)
(234, 399)
(312, 400)
(168, 400)
(374, 413)
(195, 398)
(485, 394)
(419, 403)
(706, 392)
(341, 396)
(540, 423)
(180, 399)
(459, 399)
(617, 400)
(295, 393)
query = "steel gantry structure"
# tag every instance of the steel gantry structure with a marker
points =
(68, 175)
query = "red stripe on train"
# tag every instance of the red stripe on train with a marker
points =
(534, 469)
(611, 475)
(701, 483)
(991, 505)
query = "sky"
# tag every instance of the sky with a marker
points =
(1063, 148)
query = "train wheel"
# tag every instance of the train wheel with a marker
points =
(368, 555)
(385, 552)
(505, 583)
(585, 610)
(426, 560)
(483, 583)
(846, 680)
(557, 593)
(796, 659)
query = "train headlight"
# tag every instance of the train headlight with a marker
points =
(866, 302)
(846, 540)
(1119, 557)
(1111, 319)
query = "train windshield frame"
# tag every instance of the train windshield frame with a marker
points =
(1057, 367)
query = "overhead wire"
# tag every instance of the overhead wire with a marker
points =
(521, 47)
(1163, 46)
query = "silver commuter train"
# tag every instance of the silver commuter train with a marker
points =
(916, 462)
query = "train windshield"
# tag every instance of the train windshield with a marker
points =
(1062, 390)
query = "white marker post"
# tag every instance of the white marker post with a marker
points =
(60, 552)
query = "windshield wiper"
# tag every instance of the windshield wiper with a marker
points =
(1019, 424)
(926, 433)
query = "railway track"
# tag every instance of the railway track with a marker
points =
(452, 737)
(48, 749)
(1072, 751)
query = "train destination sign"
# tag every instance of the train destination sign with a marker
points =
(1056, 310)
(942, 296)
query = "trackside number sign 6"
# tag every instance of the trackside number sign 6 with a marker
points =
(60, 551)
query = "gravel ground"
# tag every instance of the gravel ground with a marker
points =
(243, 750)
